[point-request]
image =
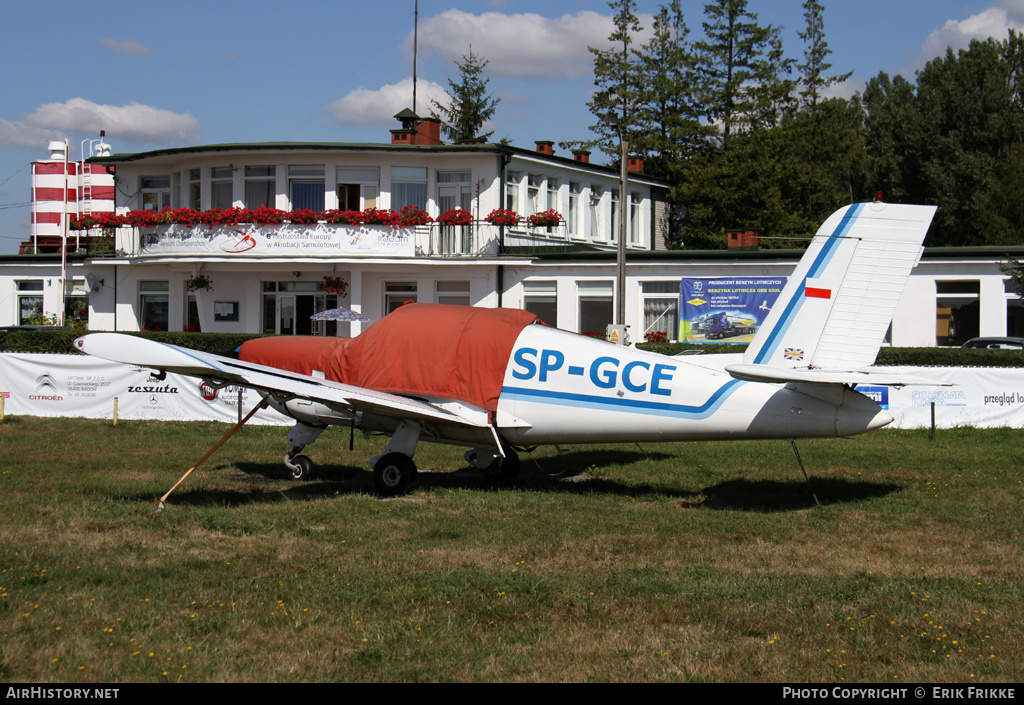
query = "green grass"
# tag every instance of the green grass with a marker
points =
(670, 562)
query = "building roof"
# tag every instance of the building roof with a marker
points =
(175, 153)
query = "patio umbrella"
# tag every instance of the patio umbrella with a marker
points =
(339, 314)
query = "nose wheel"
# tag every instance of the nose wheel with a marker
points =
(300, 467)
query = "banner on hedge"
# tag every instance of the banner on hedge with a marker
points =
(85, 387)
(725, 310)
(82, 386)
(983, 397)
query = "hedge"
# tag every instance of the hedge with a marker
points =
(899, 357)
(62, 342)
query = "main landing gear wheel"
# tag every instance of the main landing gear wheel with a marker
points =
(394, 474)
(300, 468)
(506, 468)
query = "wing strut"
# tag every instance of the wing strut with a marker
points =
(222, 441)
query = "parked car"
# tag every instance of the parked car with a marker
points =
(996, 343)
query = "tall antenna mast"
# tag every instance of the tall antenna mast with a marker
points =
(415, 42)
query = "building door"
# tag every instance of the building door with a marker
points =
(454, 239)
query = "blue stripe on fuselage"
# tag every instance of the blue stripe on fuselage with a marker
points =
(635, 406)
(821, 262)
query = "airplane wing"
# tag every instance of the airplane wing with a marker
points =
(776, 375)
(132, 350)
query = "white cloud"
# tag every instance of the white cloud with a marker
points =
(129, 47)
(994, 22)
(519, 45)
(366, 106)
(130, 123)
(17, 134)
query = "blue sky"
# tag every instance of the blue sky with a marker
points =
(159, 74)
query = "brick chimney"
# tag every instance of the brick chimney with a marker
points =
(416, 130)
(581, 155)
(428, 131)
(742, 239)
(545, 147)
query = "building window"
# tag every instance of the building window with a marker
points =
(156, 192)
(30, 301)
(575, 215)
(194, 190)
(541, 298)
(533, 202)
(661, 308)
(957, 311)
(153, 305)
(191, 319)
(306, 187)
(76, 302)
(222, 187)
(615, 215)
(553, 195)
(512, 190)
(594, 212)
(408, 187)
(357, 188)
(1014, 311)
(453, 293)
(398, 293)
(596, 307)
(260, 186)
(634, 218)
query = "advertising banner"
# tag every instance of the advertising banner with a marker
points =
(82, 386)
(287, 240)
(85, 387)
(982, 397)
(725, 310)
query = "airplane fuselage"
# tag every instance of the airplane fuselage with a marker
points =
(564, 388)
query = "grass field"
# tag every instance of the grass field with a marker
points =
(671, 562)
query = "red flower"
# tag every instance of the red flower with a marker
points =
(503, 216)
(455, 216)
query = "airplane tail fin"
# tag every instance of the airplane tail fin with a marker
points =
(836, 307)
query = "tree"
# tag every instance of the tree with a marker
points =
(666, 125)
(469, 105)
(950, 139)
(616, 78)
(827, 133)
(813, 71)
(731, 65)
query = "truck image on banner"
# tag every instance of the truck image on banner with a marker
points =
(725, 310)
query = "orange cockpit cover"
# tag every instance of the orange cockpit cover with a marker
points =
(454, 352)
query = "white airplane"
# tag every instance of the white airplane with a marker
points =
(497, 379)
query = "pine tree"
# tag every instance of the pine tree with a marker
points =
(813, 71)
(666, 120)
(616, 78)
(731, 65)
(469, 105)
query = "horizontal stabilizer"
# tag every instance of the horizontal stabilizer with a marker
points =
(778, 375)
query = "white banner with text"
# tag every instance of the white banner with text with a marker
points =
(82, 386)
(85, 387)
